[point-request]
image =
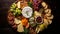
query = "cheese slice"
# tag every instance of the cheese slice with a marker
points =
(36, 14)
(18, 4)
(20, 28)
(16, 21)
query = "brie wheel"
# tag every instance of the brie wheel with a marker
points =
(27, 12)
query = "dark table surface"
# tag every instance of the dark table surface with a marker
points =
(6, 28)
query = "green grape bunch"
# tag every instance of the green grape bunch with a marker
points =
(15, 10)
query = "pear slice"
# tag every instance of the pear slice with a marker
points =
(48, 14)
(51, 17)
(46, 21)
(50, 21)
(46, 7)
(43, 4)
(48, 11)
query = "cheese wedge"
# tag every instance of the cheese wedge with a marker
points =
(20, 28)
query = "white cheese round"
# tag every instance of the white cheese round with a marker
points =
(27, 12)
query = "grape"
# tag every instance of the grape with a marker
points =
(12, 9)
(35, 4)
(13, 6)
(15, 10)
